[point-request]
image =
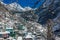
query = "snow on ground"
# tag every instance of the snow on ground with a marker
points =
(57, 38)
(18, 7)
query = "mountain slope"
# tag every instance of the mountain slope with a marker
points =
(17, 7)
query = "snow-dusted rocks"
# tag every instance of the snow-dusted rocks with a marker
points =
(17, 7)
(57, 23)
(14, 6)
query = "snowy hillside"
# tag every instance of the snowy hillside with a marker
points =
(29, 19)
(17, 7)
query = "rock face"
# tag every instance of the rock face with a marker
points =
(56, 27)
(57, 22)
(49, 12)
(4, 13)
(2, 8)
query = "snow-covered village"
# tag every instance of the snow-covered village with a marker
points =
(29, 19)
